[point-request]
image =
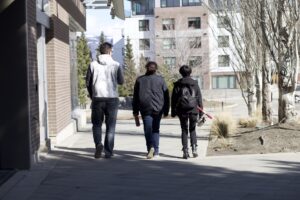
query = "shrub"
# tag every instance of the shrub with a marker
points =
(248, 122)
(223, 125)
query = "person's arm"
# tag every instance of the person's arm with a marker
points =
(120, 76)
(174, 100)
(136, 100)
(89, 81)
(199, 100)
(166, 106)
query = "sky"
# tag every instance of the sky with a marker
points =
(100, 20)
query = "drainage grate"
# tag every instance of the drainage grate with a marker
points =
(5, 175)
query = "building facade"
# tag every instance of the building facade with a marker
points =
(181, 32)
(139, 27)
(36, 76)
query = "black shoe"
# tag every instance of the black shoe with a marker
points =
(108, 156)
(185, 154)
(194, 151)
(98, 151)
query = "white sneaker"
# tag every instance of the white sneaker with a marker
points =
(150, 153)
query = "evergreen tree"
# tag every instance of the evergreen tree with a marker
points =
(101, 41)
(129, 72)
(83, 61)
(143, 62)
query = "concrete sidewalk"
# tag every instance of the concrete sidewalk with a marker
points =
(71, 173)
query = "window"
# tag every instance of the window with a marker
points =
(142, 7)
(194, 23)
(191, 2)
(144, 44)
(195, 42)
(168, 24)
(195, 61)
(223, 41)
(223, 60)
(169, 3)
(144, 25)
(224, 82)
(169, 43)
(223, 22)
(170, 61)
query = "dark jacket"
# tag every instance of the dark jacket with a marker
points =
(192, 84)
(150, 95)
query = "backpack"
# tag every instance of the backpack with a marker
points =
(187, 99)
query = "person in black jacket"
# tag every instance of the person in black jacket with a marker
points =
(151, 99)
(186, 83)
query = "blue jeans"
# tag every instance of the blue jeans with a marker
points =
(105, 108)
(151, 130)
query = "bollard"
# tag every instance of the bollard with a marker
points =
(222, 106)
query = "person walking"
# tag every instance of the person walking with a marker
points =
(102, 79)
(186, 96)
(151, 99)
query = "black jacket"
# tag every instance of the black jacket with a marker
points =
(150, 95)
(188, 82)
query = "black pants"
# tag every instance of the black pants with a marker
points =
(105, 109)
(188, 124)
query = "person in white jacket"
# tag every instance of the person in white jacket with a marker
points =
(102, 79)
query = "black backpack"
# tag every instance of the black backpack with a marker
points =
(187, 99)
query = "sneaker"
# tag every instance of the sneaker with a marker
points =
(108, 156)
(185, 154)
(194, 151)
(156, 156)
(150, 153)
(98, 151)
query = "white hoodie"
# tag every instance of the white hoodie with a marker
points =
(103, 77)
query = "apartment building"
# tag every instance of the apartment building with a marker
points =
(184, 32)
(139, 26)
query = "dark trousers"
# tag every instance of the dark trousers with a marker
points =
(105, 109)
(151, 130)
(188, 124)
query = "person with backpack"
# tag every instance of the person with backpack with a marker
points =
(151, 99)
(186, 97)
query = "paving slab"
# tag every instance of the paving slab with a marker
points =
(70, 172)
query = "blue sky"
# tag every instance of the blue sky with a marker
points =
(100, 20)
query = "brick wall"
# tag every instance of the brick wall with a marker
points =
(33, 75)
(58, 69)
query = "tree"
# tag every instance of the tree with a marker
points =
(237, 24)
(102, 39)
(83, 61)
(142, 63)
(170, 78)
(276, 28)
(280, 36)
(129, 72)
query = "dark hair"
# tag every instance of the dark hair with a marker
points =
(105, 48)
(151, 67)
(185, 70)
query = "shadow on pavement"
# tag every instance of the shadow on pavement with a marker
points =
(128, 175)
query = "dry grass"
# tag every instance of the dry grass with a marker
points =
(223, 125)
(250, 122)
